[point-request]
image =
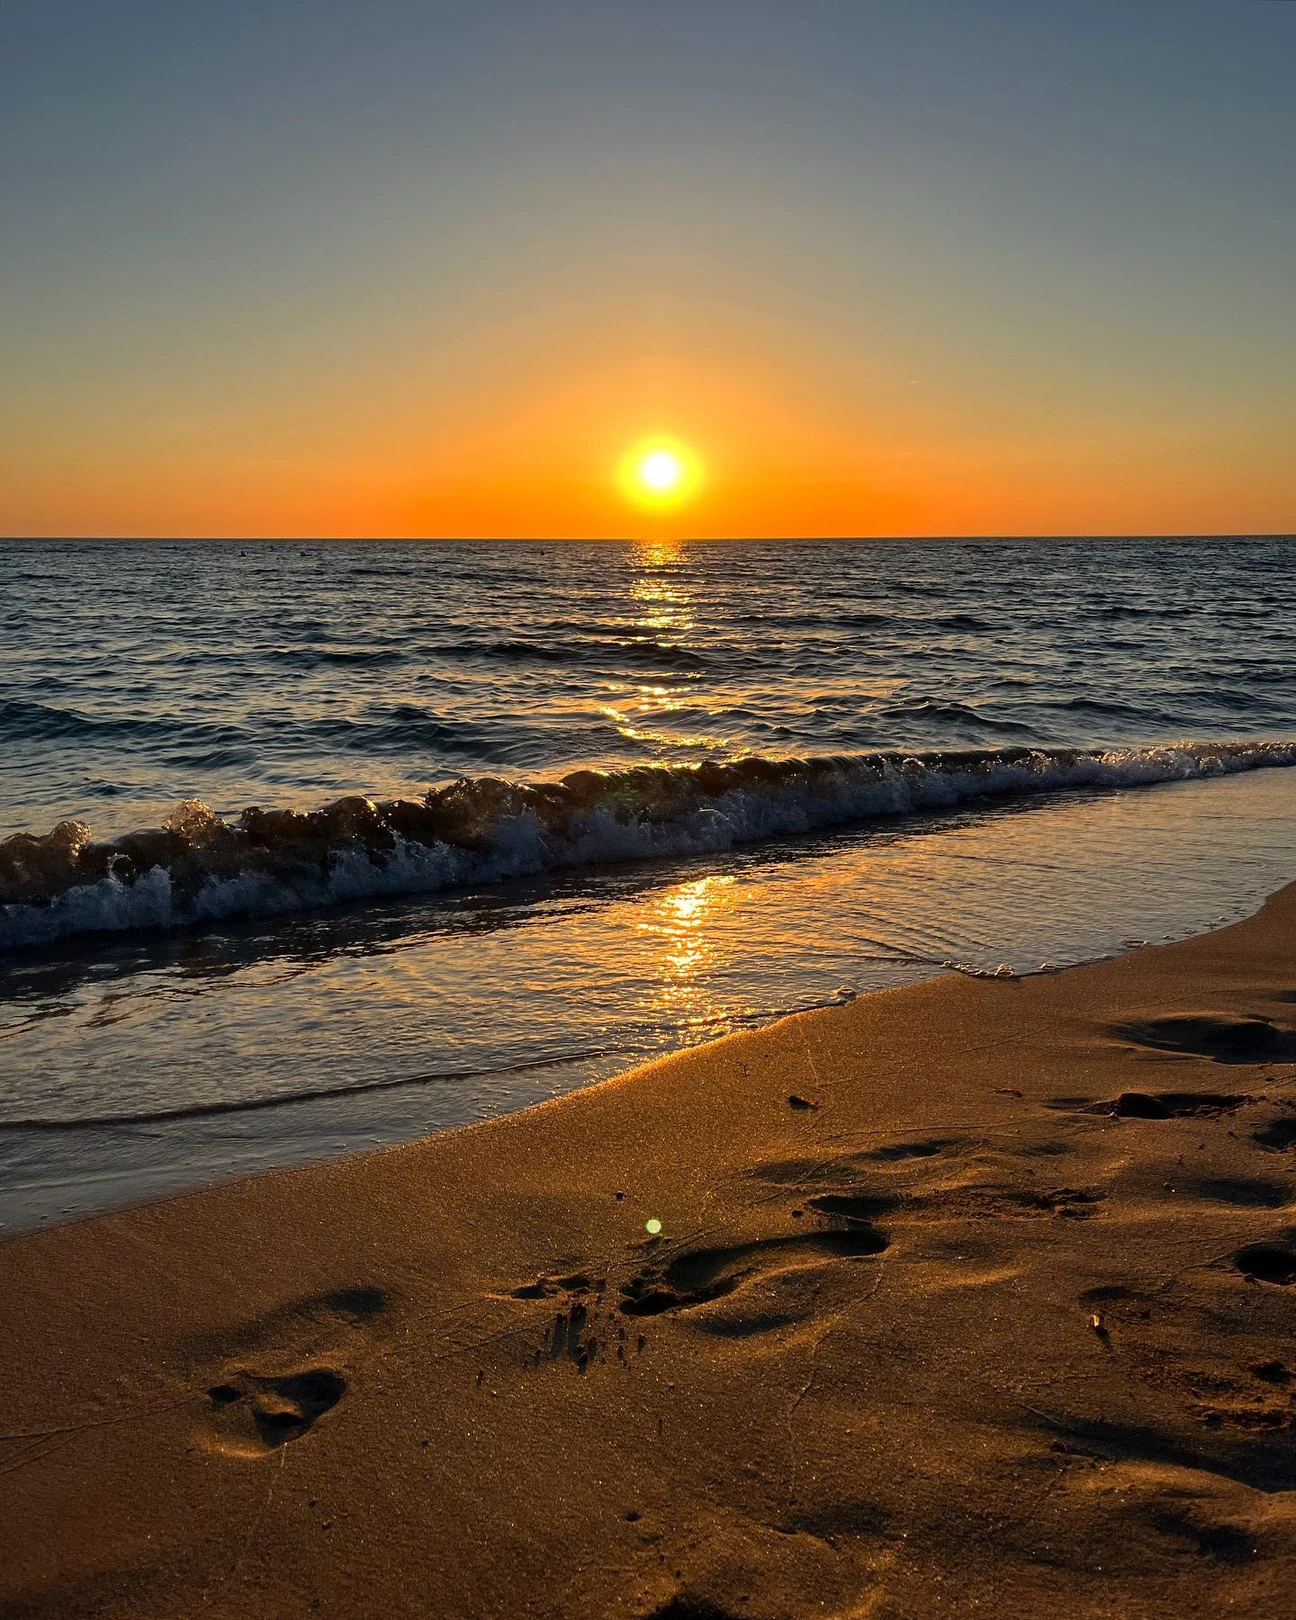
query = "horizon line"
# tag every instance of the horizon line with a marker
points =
(627, 539)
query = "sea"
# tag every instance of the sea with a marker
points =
(313, 848)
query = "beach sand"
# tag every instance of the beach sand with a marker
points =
(969, 1297)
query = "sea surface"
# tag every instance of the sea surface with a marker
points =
(315, 847)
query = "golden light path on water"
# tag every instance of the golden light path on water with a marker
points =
(679, 924)
(669, 613)
(683, 930)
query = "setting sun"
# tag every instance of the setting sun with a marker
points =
(660, 473)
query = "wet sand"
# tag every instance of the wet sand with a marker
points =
(968, 1297)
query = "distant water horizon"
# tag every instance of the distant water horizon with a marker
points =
(642, 539)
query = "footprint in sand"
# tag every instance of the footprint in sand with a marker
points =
(578, 1282)
(570, 1337)
(845, 1170)
(1280, 1133)
(276, 1378)
(1160, 1104)
(975, 1200)
(1222, 1039)
(1273, 1262)
(854, 1207)
(1229, 1400)
(685, 1607)
(1195, 1533)
(253, 1414)
(901, 1152)
(1243, 1192)
(701, 1275)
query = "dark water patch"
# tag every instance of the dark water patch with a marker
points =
(41, 722)
(632, 652)
(358, 657)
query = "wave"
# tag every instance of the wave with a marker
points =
(25, 721)
(199, 867)
(314, 657)
(638, 652)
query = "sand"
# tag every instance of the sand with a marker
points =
(970, 1297)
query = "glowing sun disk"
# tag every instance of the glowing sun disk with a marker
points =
(660, 473)
(660, 470)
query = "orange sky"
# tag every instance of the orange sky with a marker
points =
(784, 454)
(913, 272)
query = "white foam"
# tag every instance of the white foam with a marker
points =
(806, 797)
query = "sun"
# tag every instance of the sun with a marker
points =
(660, 470)
(660, 473)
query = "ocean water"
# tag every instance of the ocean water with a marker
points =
(318, 847)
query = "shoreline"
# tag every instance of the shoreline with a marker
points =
(639, 963)
(950, 1309)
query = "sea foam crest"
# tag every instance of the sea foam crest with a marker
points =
(481, 829)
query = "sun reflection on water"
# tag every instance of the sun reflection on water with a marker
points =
(664, 617)
(658, 553)
(681, 929)
(662, 600)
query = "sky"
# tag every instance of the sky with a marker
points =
(352, 268)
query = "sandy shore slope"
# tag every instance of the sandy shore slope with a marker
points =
(970, 1298)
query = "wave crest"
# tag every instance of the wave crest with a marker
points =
(479, 829)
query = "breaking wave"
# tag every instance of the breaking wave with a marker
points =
(200, 867)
